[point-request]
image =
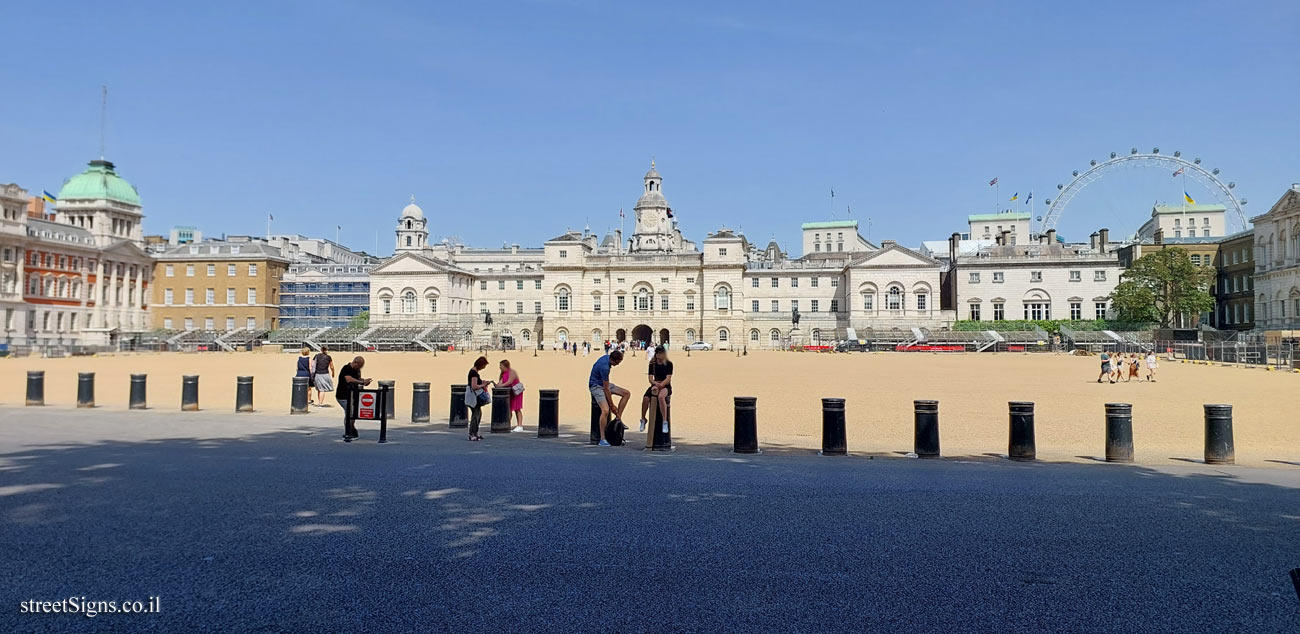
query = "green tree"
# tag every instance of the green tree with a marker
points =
(1161, 286)
(360, 320)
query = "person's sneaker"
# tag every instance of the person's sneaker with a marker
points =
(347, 438)
(665, 426)
(517, 429)
(604, 443)
(643, 424)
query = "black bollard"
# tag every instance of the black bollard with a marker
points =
(243, 394)
(385, 401)
(35, 387)
(925, 439)
(661, 432)
(746, 434)
(1218, 435)
(834, 442)
(1119, 432)
(85, 389)
(298, 397)
(548, 413)
(137, 400)
(1021, 444)
(501, 409)
(419, 402)
(389, 405)
(595, 421)
(459, 414)
(190, 393)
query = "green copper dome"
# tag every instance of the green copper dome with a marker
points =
(97, 182)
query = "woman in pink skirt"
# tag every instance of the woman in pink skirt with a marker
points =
(510, 379)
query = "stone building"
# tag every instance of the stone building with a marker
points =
(655, 286)
(1277, 265)
(218, 286)
(1234, 295)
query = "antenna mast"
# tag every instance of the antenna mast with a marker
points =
(103, 117)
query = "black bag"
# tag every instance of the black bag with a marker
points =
(614, 432)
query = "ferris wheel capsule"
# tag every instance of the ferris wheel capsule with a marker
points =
(1177, 153)
(1060, 186)
(1112, 155)
(1076, 173)
(1133, 151)
(1155, 150)
(1048, 202)
(1232, 185)
(1215, 171)
(1093, 162)
(1197, 160)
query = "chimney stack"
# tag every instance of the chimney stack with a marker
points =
(1006, 237)
(953, 241)
(997, 239)
(1104, 239)
(1092, 240)
(1051, 237)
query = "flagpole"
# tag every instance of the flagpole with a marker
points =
(997, 195)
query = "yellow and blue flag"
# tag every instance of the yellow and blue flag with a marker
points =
(1188, 198)
(49, 198)
(1015, 196)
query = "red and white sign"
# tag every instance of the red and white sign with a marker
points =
(366, 406)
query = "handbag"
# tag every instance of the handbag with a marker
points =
(517, 388)
(471, 399)
(483, 397)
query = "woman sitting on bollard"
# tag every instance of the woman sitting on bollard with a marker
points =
(476, 396)
(660, 374)
(509, 378)
(305, 369)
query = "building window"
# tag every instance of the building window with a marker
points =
(643, 300)
(230, 270)
(753, 335)
(1205, 233)
(519, 285)
(433, 304)
(501, 308)
(189, 270)
(753, 282)
(252, 270)
(208, 323)
(817, 247)
(501, 285)
(210, 296)
(776, 282)
(690, 280)
(868, 301)
(519, 308)
(1178, 232)
(564, 253)
(920, 301)
(622, 299)
(212, 270)
(722, 298)
(1035, 276)
(974, 312)
(189, 296)
(482, 308)
(252, 296)
(1076, 276)
(894, 299)
(776, 306)
(537, 308)
(835, 305)
(1100, 308)
(482, 285)
(189, 323)
(169, 271)
(562, 300)
(814, 305)
(1038, 310)
(1099, 276)
(230, 296)
(663, 302)
(595, 303)
(794, 282)
(794, 305)
(526, 335)
(835, 281)
(753, 305)
(408, 302)
(722, 334)
(999, 311)
(1196, 259)
(168, 296)
(722, 252)
(167, 323)
(690, 303)
(814, 281)
(1076, 310)
(386, 306)
(974, 277)
(774, 336)
(997, 277)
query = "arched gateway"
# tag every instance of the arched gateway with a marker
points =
(642, 333)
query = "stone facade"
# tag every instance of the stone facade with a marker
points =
(659, 287)
(218, 286)
(1277, 264)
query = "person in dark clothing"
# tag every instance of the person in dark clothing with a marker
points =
(303, 369)
(660, 375)
(479, 389)
(350, 380)
(323, 379)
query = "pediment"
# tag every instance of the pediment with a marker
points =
(412, 263)
(893, 255)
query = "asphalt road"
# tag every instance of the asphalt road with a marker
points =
(291, 530)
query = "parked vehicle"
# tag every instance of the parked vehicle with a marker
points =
(851, 345)
(698, 345)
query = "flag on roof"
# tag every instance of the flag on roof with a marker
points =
(1029, 197)
(1179, 171)
(993, 182)
(1015, 196)
(1188, 198)
(270, 217)
(49, 198)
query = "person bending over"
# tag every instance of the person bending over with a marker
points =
(603, 391)
(350, 381)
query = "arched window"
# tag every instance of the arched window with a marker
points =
(894, 301)
(643, 300)
(562, 335)
(753, 335)
(408, 224)
(816, 337)
(690, 335)
(722, 298)
(562, 300)
(408, 302)
(774, 336)
(408, 241)
(722, 334)
(525, 335)
(597, 336)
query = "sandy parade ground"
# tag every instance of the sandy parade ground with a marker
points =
(973, 391)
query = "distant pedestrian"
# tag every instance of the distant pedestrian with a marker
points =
(603, 391)
(304, 369)
(510, 378)
(323, 366)
(1151, 365)
(1134, 367)
(476, 396)
(1105, 368)
(350, 380)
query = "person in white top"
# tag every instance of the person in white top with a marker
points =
(1151, 365)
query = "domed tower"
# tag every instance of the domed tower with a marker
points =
(654, 231)
(411, 232)
(103, 203)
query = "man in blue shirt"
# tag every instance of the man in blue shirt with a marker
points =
(603, 391)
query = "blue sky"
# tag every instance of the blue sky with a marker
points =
(512, 121)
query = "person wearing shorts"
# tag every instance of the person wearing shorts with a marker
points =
(660, 375)
(1105, 368)
(603, 391)
(1151, 366)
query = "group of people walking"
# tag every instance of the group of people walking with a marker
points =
(1127, 366)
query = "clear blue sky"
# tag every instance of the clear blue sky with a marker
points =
(512, 121)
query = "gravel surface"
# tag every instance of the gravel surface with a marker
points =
(252, 524)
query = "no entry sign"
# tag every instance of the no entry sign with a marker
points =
(366, 406)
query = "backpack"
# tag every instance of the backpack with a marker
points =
(614, 432)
